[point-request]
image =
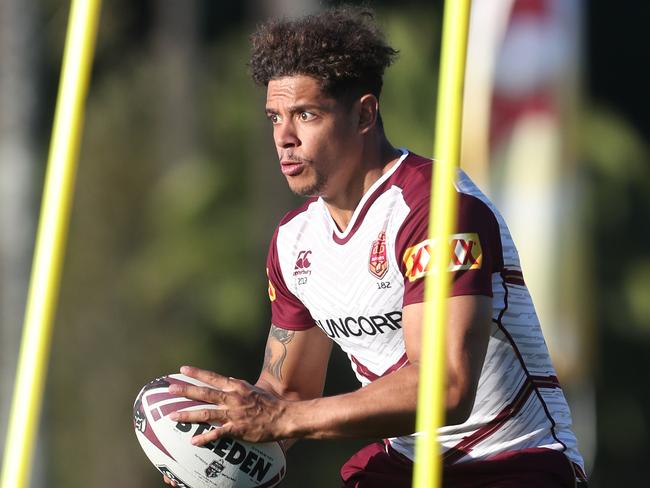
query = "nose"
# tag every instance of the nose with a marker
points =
(285, 135)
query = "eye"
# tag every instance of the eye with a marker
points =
(274, 118)
(306, 116)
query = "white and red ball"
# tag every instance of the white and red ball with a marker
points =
(224, 463)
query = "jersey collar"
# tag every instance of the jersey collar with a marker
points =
(363, 206)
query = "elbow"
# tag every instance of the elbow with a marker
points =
(460, 403)
(461, 395)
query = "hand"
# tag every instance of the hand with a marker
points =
(244, 411)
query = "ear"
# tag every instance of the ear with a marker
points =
(368, 111)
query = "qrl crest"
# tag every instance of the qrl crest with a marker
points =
(213, 470)
(378, 265)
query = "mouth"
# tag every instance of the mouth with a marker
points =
(291, 168)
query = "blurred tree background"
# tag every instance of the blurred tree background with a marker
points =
(178, 193)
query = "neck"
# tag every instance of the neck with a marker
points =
(375, 160)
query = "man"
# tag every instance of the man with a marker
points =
(348, 267)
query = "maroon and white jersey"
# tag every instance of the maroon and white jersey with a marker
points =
(353, 286)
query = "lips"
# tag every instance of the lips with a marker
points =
(291, 168)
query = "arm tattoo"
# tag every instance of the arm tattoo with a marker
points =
(274, 364)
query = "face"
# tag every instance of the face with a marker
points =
(316, 137)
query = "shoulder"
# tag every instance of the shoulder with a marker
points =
(294, 217)
(297, 212)
(414, 179)
(472, 207)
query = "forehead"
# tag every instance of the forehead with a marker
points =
(293, 89)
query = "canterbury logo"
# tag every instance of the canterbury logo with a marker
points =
(465, 253)
(303, 260)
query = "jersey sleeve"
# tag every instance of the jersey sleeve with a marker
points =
(287, 311)
(475, 250)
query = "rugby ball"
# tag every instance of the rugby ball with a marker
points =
(224, 463)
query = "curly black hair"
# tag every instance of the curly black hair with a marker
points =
(341, 47)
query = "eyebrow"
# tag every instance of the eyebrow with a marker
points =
(306, 107)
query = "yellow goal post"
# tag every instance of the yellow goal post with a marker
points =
(442, 216)
(51, 238)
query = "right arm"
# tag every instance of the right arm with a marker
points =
(295, 365)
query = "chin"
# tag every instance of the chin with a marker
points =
(306, 192)
(308, 189)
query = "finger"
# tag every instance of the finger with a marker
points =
(212, 435)
(209, 377)
(168, 481)
(208, 415)
(205, 394)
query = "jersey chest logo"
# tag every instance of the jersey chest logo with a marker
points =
(378, 265)
(301, 269)
(302, 262)
(465, 254)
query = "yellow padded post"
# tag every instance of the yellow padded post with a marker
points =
(431, 396)
(50, 243)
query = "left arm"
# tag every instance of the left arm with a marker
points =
(384, 408)
(387, 406)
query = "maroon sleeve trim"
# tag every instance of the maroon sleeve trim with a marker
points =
(296, 327)
(287, 311)
(475, 248)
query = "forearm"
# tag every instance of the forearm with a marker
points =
(285, 395)
(384, 408)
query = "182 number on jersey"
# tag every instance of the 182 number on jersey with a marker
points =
(382, 285)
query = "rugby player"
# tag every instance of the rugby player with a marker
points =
(348, 267)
